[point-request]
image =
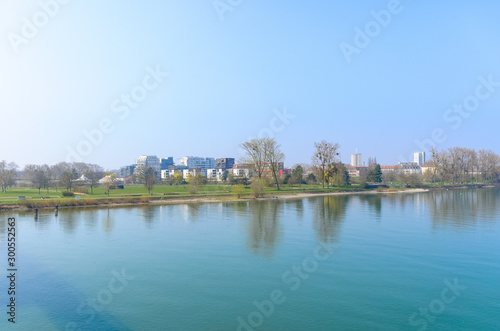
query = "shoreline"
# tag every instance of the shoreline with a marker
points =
(231, 199)
(200, 200)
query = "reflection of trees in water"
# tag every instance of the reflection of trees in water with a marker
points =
(90, 217)
(297, 205)
(3, 225)
(374, 202)
(329, 214)
(240, 209)
(150, 214)
(191, 211)
(68, 220)
(108, 221)
(463, 208)
(264, 226)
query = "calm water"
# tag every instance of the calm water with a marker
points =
(427, 261)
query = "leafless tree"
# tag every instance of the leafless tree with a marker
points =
(324, 157)
(93, 173)
(255, 155)
(8, 173)
(37, 175)
(273, 156)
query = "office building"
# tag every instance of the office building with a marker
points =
(356, 160)
(419, 158)
(203, 163)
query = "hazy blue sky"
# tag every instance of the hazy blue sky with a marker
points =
(228, 77)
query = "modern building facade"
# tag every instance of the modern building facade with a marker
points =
(356, 160)
(419, 158)
(166, 162)
(126, 171)
(203, 163)
(215, 174)
(149, 161)
(224, 163)
(193, 172)
(240, 171)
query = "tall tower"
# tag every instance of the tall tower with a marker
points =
(356, 160)
(419, 158)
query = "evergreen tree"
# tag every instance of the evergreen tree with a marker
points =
(375, 175)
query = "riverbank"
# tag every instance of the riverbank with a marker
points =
(195, 199)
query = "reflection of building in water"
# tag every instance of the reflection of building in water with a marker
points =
(190, 212)
(328, 217)
(264, 228)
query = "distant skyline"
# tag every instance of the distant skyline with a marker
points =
(174, 78)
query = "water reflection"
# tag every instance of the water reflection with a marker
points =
(374, 202)
(68, 219)
(463, 208)
(108, 221)
(264, 228)
(91, 217)
(150, 214)
(298, 206)
(329, 213)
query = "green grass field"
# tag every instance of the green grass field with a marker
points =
(135, 192)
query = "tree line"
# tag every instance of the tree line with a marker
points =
(45, 177)
(459, 165)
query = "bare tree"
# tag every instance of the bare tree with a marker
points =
(93, 173)
(147, 177)
(324, 157)
(8, 173)
(150, 180)
(37, 175)
(109, 181)
(459, 165)
(254, 150)
(67, 178)
(273, 156)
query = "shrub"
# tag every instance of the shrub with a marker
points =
(193, 189)
(144, 199)
(238, 190)
(68, 194)
(81, 189)
(257, 188)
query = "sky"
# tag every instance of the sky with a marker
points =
(106, 81)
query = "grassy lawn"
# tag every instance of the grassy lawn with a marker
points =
(159, 192)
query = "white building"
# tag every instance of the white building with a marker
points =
(168, 173)
(215, 174)
(356, 160)
(419, 158)
(193, 172)
(204, 163)
(149, 161)
(411, 169)
(240, 171)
